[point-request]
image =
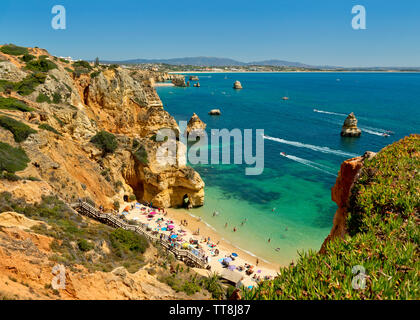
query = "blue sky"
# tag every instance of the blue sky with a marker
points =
(315, 32)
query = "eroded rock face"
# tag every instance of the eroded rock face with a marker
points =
(195, 124)
(340, 194)
(350, 128)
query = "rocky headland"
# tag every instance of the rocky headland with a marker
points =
(67, 104)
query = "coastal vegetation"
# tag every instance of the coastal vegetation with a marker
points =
(41, 65)
(13, 50)
(12, 159)
(19, 130)
(379, 257)
(105, 141)
(14, 104)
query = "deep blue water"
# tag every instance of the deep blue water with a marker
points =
(298, 187)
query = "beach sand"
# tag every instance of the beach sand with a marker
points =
(225, 247)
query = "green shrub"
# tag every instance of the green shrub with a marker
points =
(57, 97)
(27, 57)
(141, 155)
(9, 176)
(14, 104)
(125, 241)
(132, 197)
(12, 159)
(42, 65)
(84, 245)
(69, 70)
(6, 86)
(95, 74)
(105, 141)
(13, 50)
(47, 127)
(82, 64)
(43, 98)
(20, 130)
(64, 60)
(28, 85)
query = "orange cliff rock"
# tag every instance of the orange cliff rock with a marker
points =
(340, 194)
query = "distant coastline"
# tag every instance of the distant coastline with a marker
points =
(299, 71)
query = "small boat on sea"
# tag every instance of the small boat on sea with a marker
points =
(283, 154)
(385, 134)
(285, 98)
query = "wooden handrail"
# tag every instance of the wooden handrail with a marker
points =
(85, 208)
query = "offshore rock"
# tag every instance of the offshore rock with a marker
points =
(195, 124)
(237, 85)
(350, 128)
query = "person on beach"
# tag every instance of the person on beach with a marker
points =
(257, 262)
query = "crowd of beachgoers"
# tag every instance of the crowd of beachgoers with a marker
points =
(179, 235)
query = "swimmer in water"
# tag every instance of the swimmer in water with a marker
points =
(234, 229)
(269, 240)
(226, 225)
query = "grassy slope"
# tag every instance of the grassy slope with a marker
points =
(383, 225)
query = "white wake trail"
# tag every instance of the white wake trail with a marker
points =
(309, 163)
(312, 147)
(329, 112)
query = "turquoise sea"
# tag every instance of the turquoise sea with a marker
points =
(290, 203)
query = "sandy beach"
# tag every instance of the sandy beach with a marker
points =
(163, 84)
(194, 224)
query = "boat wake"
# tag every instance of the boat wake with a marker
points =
(329, 112)
(367, 129)
(309, 163)
(312, 147)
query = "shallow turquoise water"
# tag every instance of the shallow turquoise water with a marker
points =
(298, 187)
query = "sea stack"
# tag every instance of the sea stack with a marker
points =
(237, 85)
(215, 112)
(195, 124)
(350, 128)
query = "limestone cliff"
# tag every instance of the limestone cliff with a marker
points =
(75, 101)
(340, 194)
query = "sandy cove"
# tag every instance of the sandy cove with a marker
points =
(225, 247)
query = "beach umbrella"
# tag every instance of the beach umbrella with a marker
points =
(227, 260)
(185, 245)
(234, 254)
(171, 226)
(259, 271)
(127, 208)
(152, 213)
(232, 267)
(174, 236)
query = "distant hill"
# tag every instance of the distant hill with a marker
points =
(212, 62)
(279, 63)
